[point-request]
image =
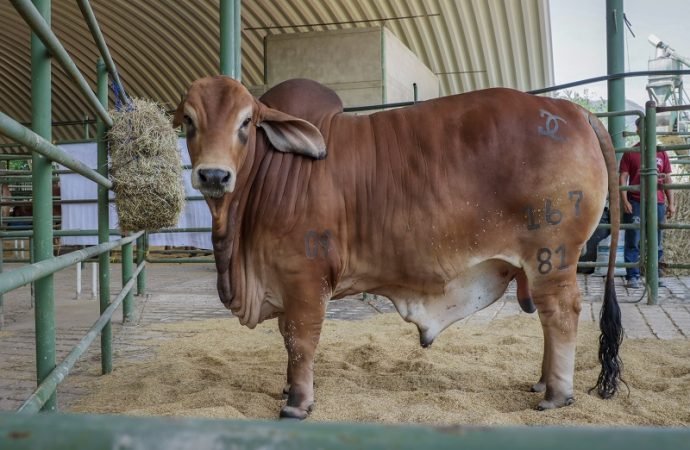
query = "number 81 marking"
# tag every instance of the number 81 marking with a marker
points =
(544, 259)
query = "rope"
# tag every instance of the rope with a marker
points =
(120, 95)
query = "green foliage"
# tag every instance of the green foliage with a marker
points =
(585, 99)
(19, 164)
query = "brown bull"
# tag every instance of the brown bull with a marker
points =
(437, 206)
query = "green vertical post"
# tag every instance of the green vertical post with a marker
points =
(615, 63)
(237, 39)
(41, 101)
(103, 221)
(141, 255)
(230, 38)
(128, 302)
(650, 187)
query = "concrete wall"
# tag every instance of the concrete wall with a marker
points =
(401, 69)
(364, 66)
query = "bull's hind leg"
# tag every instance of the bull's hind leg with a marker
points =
(557, 299)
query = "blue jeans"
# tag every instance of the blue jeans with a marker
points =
(631, 250)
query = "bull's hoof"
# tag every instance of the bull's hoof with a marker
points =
(549, 404)
(293, 412)
(538, 387)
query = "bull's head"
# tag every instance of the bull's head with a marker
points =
(220, 117)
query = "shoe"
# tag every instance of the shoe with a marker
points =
(633, 283)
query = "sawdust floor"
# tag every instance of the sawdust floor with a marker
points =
(375, 371)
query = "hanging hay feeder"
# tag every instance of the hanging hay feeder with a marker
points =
(145, 167)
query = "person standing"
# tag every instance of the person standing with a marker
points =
(630, 175)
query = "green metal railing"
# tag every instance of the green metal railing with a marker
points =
(44, 47)
(71, 431)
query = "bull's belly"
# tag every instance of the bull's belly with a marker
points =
(474, 289)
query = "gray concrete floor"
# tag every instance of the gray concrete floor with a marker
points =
(187, 292)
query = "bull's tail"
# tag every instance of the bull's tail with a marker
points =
(610, 317)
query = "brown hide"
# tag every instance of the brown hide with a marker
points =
(437, 206)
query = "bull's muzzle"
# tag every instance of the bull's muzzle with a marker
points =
(214, 182)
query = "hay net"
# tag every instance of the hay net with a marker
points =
(145, 167)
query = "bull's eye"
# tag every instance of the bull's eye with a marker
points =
(188, 120)
(246, 122)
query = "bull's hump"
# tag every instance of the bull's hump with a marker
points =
(305, 99)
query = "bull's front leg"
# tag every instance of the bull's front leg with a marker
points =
(301, 330)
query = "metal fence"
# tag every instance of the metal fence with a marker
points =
(44, 47)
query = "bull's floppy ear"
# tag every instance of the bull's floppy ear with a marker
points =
(179, 115)
(292, 135)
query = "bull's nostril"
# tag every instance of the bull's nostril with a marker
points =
(202, 177)
(226, 179)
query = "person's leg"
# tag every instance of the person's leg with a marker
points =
(631, 251)
(661, 211)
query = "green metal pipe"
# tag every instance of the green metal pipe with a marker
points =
(103, 222)
(48, 387)
(128, 305)
(228, 36)
(633, 188)
(623, 226)
(12, 129)
(141, 258)
(671, 108)
(615, 76)
(41, 28)
(183, 230)
(41, 100)
(673, 147)
(615, 63)
(21, 179)
(227, 60)
(606, 264)
(677, 266)
(101, 432)
(237, 38)
(650, 184)
(627, 112)
(678, 186)
(23, 275)
(180, 260)
(628, 150)
(91, 21)
(674, 226)
(4, 157)
(58, 233)
(180, 251)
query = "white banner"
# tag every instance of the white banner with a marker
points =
(85, 216)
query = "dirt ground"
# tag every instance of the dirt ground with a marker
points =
(375, 371)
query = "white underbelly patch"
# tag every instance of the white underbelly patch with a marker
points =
(475, 289)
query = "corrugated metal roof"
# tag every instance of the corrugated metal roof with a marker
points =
(161, 46)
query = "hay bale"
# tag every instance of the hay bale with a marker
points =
(145, 167)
